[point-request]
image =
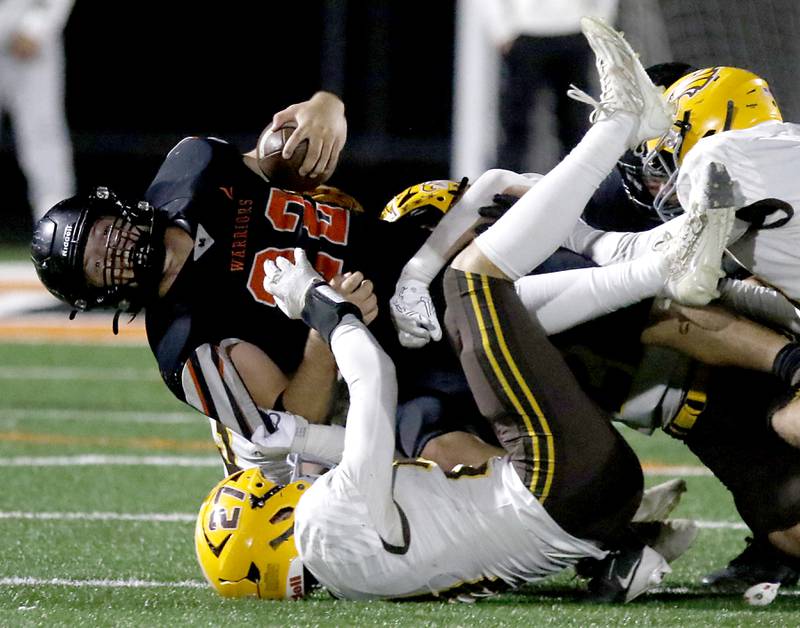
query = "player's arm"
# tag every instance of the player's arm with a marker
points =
(369, 437)
(320, 120)
(307, 392)
(411, 306)
(217, 385)
(714, 335)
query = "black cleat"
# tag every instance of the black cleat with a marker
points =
(627, 573)
(759, 562)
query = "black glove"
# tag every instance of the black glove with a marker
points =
(501, 203)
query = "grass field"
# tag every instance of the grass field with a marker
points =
(103, 472)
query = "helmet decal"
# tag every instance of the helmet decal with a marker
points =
(699, 81)
(244, 537)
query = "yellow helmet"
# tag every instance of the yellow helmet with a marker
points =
(244, 537)
(426, 202)
(707, 101)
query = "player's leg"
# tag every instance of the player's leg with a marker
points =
(562, 446)
(732, 438)
(565, 299)
(631, 109)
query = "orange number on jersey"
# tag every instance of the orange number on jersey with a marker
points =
(325, 265)
(319, 220)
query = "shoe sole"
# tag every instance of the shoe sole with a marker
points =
(698, 287)
(610, 45)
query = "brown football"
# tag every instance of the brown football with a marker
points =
(283, 173)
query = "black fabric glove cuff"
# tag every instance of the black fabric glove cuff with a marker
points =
(325, 308)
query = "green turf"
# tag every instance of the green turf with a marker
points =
(71, 400)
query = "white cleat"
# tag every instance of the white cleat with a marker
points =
(624, 84)
(660, 500)
(674, 537)
(695, 254)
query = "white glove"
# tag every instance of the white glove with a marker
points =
(289, 283)
(413, 313)
(289, 435)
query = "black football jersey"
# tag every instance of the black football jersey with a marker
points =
(237, 221)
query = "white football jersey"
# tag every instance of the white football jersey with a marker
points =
(465, 533)
(765, 163)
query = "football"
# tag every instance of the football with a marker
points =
(283, 172)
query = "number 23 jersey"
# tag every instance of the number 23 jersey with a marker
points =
(237, 221)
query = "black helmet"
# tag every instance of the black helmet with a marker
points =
(59, 242)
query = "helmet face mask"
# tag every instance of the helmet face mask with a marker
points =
(244, 537)
(707, 101)
(129, 258)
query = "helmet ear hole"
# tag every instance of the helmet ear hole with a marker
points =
(282, 515)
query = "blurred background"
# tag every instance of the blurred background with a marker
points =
(419, 79)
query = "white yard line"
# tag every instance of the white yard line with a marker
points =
(113, 584)
(105, 416)
(651, 469)
(169, 517)
(110, 460)
(700, 592)
(199, 584)
(179, 517)
(78, 373)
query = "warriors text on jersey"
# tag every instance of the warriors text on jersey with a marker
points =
(237, 221)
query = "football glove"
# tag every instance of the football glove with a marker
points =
(282, 433)
(289, 283)
(413, 314)
(501, 203)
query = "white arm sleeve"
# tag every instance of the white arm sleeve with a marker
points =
(369, 442)
(439, 247)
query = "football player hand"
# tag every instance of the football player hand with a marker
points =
(282, 434)
(489, 214)
(290, 282)
(359, 291)
(321, 121)
(413, 314)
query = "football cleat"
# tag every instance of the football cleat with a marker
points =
(670, 538)
(695, 253)
(759, 562)
(627, 573)
(660, 500)
(624, 84)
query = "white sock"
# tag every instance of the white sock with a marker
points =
(564, 299)
(611, 247)
(543, 218)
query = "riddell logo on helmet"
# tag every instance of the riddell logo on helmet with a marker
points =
(296, 587)
(65, 244)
